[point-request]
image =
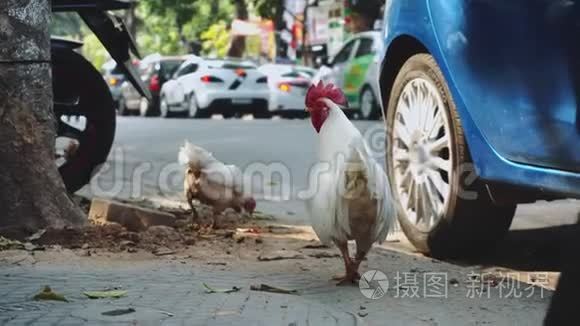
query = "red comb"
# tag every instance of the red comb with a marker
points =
(319, 91)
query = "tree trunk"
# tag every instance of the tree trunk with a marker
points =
(360, 23)
(306, 51)
(364, 14)
(32, 194)
(238, 44)
(280, 26)
(131, 19)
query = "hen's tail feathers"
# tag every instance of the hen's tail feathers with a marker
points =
(378, 185)
(190, 154)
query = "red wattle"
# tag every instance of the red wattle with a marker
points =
(318, 117)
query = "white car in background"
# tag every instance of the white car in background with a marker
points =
(201, 87)
(288, 85)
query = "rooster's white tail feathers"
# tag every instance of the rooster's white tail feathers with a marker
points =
(214, 170)
(190, 154)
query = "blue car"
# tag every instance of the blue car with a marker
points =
(480, 100)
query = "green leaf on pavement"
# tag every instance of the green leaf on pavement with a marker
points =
(7, 244)
(105, 294)
(257, 215)
(48, 294)
(209, 289)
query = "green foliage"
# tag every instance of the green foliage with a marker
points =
(215, 40)
(159, 34)
(94, 51)
(267, 8)
(182, 10)
(167, 24)
(207, 13)
(66, 24)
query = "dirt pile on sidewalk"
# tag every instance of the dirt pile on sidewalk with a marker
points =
(159, 239)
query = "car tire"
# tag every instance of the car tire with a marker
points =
(164, 108)
(146, 108)
(193, 110)
(368, 105)
(444, 209)
(122, 108)
(294, 114)
(262, 114)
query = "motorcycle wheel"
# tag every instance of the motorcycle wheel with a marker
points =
(85, 118)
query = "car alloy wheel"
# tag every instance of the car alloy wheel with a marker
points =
(421, 156)
(122, 108)
(163, 107)
(367, 104)
(445, 210)
(144, 107)
(193, 109)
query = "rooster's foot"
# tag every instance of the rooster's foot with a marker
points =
(350, 278)
(214, 225)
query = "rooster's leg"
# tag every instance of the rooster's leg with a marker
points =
(215, 218)
(351, 276)
(362, 249)
(190, 202)
(193, 210)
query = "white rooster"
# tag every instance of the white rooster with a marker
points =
(212, 182)
(353, 200)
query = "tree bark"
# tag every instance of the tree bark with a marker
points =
(238, 44)
(364, 15)
(280, 26)
(131, 20)
(32, 194)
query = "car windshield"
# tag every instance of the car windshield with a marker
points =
(230, 65)
(169, 66)
(287, 71)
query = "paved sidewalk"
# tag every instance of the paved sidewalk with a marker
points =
(169, 292)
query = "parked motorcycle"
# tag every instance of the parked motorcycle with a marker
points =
(83, 106)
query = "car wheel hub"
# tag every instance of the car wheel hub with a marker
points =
(192, 106)
(143, 106)
(421, 153)
(163, 107)
(367, 104)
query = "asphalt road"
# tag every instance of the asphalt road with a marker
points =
(143, 164)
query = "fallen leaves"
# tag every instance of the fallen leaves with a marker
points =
(36, 235)
(7, 244)
(48, 294)
(280, 255)
(105, 294)
(272, 289)
(163, 252)
(118, 312)
(316, 246)
(324, 254)
(209, 289)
